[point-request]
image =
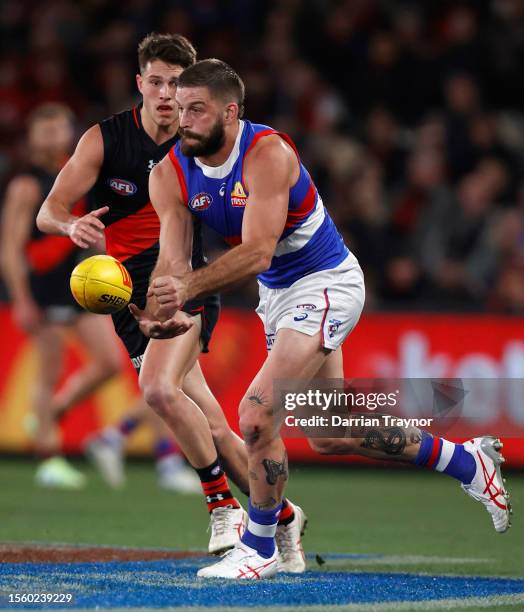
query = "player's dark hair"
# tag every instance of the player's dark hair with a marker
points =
(221, 80)
(173, 49)
(49, 110)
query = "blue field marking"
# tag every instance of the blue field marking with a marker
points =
(158, 584)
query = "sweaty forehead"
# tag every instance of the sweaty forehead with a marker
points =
(189, 95)
(160, 69)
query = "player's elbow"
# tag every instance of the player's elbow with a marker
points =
(262, 258)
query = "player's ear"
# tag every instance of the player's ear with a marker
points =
(231, 112)
(139, 82)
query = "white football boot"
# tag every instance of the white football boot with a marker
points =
(108, 457)
(227, 525)
(291, 556)
(174, 475)
(242, 563)
(487, 485)
(57, 473)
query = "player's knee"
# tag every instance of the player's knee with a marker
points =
(255, 424)
(161, 396)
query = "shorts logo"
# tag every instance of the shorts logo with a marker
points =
(270, 340)
(137, 361)
(307, 306)
(201, 201)
(238, 196)
(334, 324)
(301, 317)
(122, 187)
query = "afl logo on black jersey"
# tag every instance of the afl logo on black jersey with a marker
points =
(200, 201)
(122, 187)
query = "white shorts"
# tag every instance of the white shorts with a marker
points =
(329, 302)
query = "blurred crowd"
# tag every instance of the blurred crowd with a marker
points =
(407, 113)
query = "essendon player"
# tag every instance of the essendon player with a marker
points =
(36, 269)
(114, 158)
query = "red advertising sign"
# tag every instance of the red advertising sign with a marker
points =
(400, 346)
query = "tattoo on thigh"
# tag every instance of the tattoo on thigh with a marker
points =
(265, 504)
(390, 440)
(257, 397)
(275, 469)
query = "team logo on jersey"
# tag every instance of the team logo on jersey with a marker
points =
(200, 201)
(238, 196)
(122, 187)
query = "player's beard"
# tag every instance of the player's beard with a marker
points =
(205, 145)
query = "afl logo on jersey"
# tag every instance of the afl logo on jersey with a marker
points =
(122, 187)
(200, 201)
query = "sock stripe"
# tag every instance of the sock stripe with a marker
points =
(262, 531)
(448, 448)
(287, 514)
(215, 485)
(215, 488)
(435, 453)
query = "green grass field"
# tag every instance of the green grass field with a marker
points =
(415, 521)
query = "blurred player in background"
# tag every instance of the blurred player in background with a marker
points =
(106, 449)
(247, 182)
(36, 270)
(114, 159)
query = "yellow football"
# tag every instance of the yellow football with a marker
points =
(101, 284)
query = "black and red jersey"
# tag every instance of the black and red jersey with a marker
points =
(51, 259)
(132, 225)
(45, 253)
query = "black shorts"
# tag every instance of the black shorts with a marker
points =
(135, 341)
(53, 296)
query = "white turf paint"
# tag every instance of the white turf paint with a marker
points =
(404, 560)
(398, 606)
(434, 604)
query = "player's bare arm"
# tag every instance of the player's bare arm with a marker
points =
(22, 198)
(262, 226)
(176, 224)
(176, 241)
(74, 181)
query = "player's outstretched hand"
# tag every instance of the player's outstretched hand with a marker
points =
(170, 293)
(88, 230)
(153, 328)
